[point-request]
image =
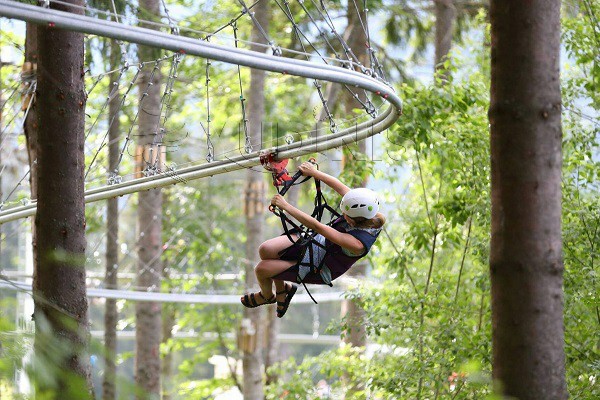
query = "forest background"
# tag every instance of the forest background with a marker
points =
(426, 301)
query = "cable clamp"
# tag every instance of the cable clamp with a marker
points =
(248, 146)
(151, 170)
(114, 179)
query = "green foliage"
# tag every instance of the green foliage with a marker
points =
(55, 357)
(427, 306)
(582, 41)
(358, 167)
(407, 26)
(581, 209)
(428, 309)
(13, 347)
(203, 389)
(431, 308)
(204, 241)
(301, 380)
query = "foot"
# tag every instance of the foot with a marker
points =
(252, 300)
(284, 298)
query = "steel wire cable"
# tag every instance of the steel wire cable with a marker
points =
(315, 143)
(203, 35)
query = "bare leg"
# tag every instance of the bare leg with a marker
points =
(270, 249)
(280, 290)
(266, 269)
(279, 285)
(270, 265)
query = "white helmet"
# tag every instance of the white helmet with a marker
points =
(360, 202)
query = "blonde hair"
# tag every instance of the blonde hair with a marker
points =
(376, 222)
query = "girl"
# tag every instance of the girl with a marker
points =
(348, 239)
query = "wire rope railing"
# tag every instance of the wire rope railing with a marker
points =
(231, 55)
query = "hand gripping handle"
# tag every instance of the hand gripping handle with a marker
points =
(288, 184)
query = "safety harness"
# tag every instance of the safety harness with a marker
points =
(306, 236)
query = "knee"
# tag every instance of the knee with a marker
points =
(262, 269)
(264, 251)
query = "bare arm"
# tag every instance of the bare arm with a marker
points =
(345, 240)
(308, 169)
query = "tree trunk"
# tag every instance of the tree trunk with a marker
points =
(168, 386)
(273, 326)
(148, 314)
(168, 322)
(445, 17)
(355, 315)
(29, 77)
(29, 73)
(272, 351)
(61, 308)
(356, 38)
(111, 315)
(255, 204)
(355, 334)
(525, 257)
(1, 129)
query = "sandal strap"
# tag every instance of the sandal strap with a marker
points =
(253, 300)
(286, 289)
(282, 307)
(267, 301)
(249, 300)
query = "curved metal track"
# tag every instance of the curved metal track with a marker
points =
(149, 37)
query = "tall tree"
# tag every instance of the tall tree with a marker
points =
(169, 313)
(1, 166)
(168, 319)
(445, 18)
(255, 194)
(111, 315)
(354, 163)
(61, 308)
(148, 330)
(526, 250)
(30, 124)
(272, 353)
(273, 345)
(356, 38)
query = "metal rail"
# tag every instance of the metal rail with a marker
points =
(291, 338)
(133, 295)
(218, 167)
(232, 55)
(149, 37)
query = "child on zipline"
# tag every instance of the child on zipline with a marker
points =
(342, 243)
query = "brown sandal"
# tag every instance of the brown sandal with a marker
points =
(249, 300)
